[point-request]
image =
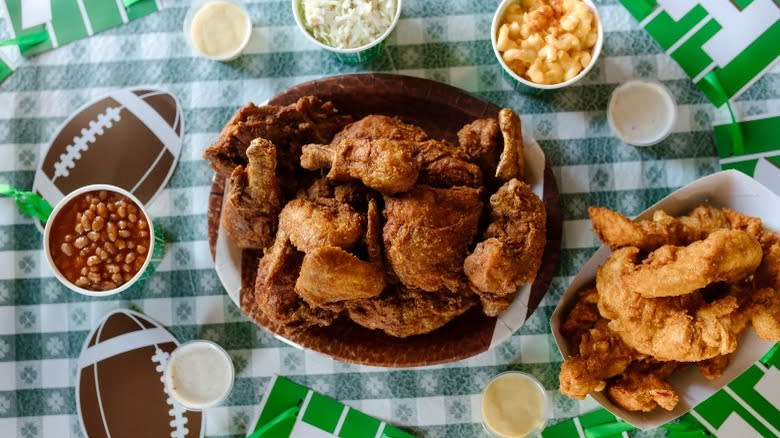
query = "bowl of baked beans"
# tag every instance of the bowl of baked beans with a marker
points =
(98, 240)
(546, 44)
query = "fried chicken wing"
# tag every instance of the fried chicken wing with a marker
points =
(275, 289)
(427, 234)
(643, 387)
(254, 198)
(330, 274)
(311, 225)
(309, 120)
(408, 312)
(512, 161)
(514, 243)
(725, 255)
(479, 141)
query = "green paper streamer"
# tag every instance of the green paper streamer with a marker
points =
(769, 356)
(129, 3)
(27, 41)
(29, 203)
(287, 414)
(738, 142)
(607, 429)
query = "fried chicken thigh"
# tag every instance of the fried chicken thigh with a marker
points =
(254, 198)
(513, 247)
(427, 234)
(311, 225)
(479, 141)
(330, 274)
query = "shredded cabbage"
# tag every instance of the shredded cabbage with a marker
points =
(347, 24)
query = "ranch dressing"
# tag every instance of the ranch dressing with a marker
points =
(513, 406)
(641, 113)
(220, 29)
(199, 374)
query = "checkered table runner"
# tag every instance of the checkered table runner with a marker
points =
(42, 325)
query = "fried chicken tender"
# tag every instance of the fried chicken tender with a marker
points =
(643, 387)
(713, 368)
(682, 328)
(254, 198)
(275, 289)
(583, 316)
(725, 255)
(513, 247)
(330, 274)
(311, 225)
(512, 161)
(427, 234)
(602, 355)
(408, 312)
(618, 231)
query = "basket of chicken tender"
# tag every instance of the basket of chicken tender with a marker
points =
(676, 303)
(383, 219)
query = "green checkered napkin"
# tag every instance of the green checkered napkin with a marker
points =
(318, 417)
(70, 22)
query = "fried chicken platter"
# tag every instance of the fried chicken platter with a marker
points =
(372, 221)
(667, 304)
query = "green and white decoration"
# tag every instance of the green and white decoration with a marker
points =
(66, 21)
(318, 416)
(760, 140)
(723, 45)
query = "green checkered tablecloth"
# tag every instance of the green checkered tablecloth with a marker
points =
(42, 325)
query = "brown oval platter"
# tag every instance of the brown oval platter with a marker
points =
(441, 110)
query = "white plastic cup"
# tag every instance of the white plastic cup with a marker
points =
(197, 5)
(357, 55)
(537, 388)
(176, 364)
(51, 222)
(636, 106)
(525, 86)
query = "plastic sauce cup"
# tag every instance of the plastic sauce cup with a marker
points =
(641, 113)
(514, 405)
(210, 21)
(199, 374)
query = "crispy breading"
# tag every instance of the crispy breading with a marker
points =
(310, 225)
(512, 161)
(330, 274)
(643, 387)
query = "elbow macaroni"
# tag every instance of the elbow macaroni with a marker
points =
(547, 41)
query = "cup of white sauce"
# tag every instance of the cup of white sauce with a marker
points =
(514, 405)
(218, 29)
(199, 374)
(641, 113)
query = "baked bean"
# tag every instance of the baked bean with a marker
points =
(101, 240)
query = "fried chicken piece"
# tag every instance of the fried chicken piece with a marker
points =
(444, 165)
(512, 161)
(478, 140)
(513, 247)
(618, 231)
(275, 289)
(312, 225)
(583, 316)
(725, 255)
(682, 328)
(408, 312)
(643, 387)
(309, 120)
(330, 274)
(713, 368)
(427, 234)
(373, 237)
(387, 166)
(254, 198)
(602, 355)
(388, 155)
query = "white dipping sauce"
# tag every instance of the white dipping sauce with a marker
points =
(641, 113)
(199, 374)
(513, 406)
(220, 29)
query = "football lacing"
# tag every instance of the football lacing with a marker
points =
(178, 420)
(81, 143)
